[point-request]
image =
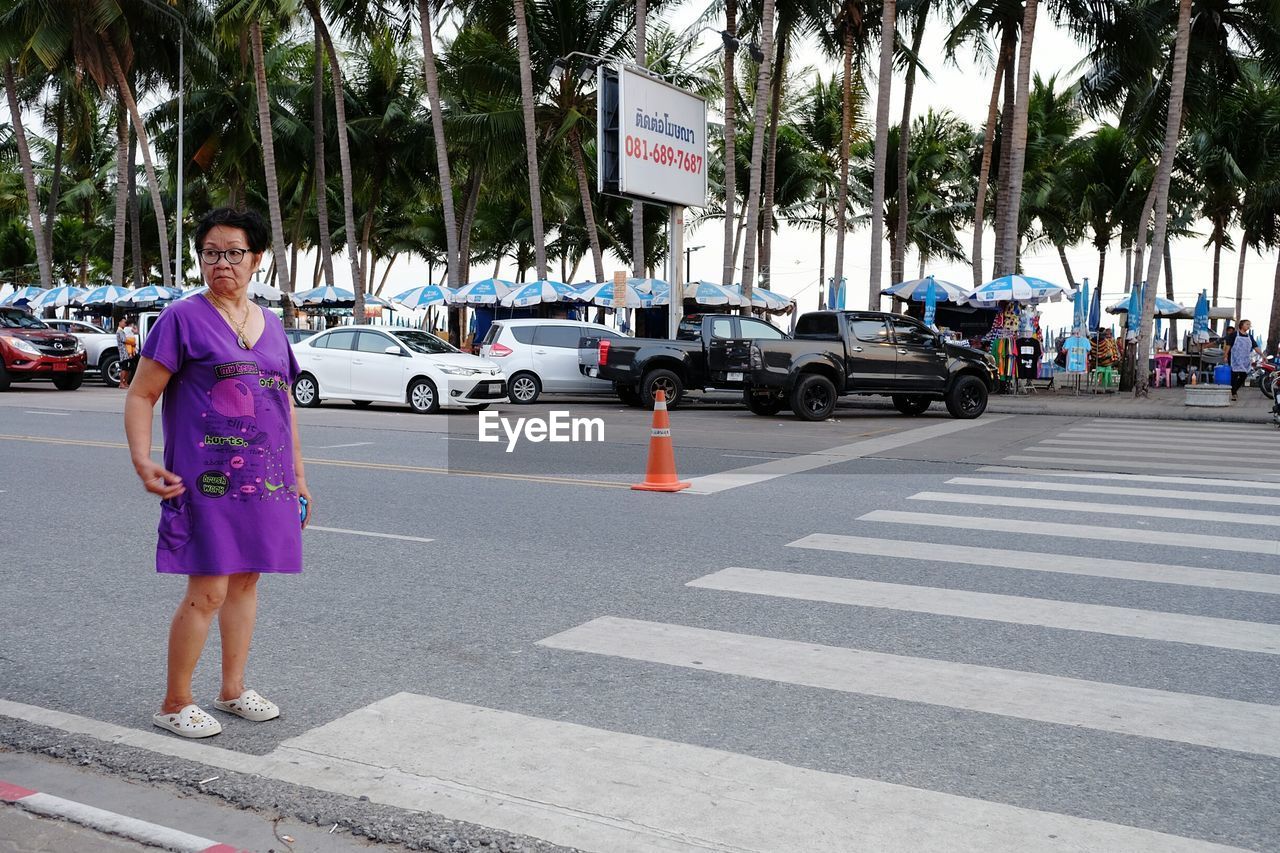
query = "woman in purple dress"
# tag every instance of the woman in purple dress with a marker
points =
(231, 485)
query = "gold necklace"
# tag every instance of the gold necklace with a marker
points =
(240, 326)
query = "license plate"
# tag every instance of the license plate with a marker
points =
(495, 387)
(734, 377)
(59, 366)
(593, 371)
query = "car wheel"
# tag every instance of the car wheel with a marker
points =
(110, 370)
(423, 398)
(478, 408)
(70, 382)
(524, 388)
(306, 391)
(662, 380)
(627, 394)
(362, 404)
(911, 404)
(765, 404)
(814, 397)
(967, 398)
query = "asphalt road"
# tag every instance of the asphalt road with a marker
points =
(801, 623)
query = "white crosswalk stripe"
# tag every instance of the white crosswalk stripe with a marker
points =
(1165, 447)
(1093, 463)
(1119, 621)
(1102, 508)
(1155, 451)
(1129, 478)
(1127, 491)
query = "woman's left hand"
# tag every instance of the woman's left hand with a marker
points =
(304, 492)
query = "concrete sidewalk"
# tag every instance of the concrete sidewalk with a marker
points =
(1161, 404)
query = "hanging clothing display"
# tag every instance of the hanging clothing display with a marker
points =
(1077, 347)
(1028, 357)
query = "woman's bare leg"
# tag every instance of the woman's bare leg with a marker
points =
(235, 622)
(187, 635)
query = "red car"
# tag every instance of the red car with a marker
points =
(31, 350)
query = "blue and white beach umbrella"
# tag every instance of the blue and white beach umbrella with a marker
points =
(1080, 307)
(487, 291)
(257, 290)
(23, 296)
(1016, 288)
(709, 293)
(1135, 311)
(930, 302)
(648, 285)
(601, 294)
(538, 292)
(152, 294)
(334, 297)
(58, 297)
(1200, 320)
(1164, 307)
(835, 298)
(108, 294)
(424, 297)
(916, 289)
(766, 300)
(1095, 309)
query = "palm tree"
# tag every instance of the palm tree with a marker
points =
(730, 139)
(918, 14)
(452, 259)
(888, 29)
(123, 165)
(819, 127)
(1007, 260)
(1100, 179)
(325, 248)
(531, 138)
(757, 152)
(29, 176)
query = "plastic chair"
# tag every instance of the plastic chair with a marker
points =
(1164, 367)
(1104, 377)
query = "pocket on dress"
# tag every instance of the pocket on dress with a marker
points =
(175, 523)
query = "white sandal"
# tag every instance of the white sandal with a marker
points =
(191, 722)
(251, 706)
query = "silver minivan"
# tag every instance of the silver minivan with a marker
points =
(542, 356)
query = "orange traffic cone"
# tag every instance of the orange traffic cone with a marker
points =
(660, 474)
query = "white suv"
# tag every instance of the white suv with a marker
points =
(542, 355)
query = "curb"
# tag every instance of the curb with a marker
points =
(109, 822)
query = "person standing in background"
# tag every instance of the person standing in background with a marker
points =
(1240, 347)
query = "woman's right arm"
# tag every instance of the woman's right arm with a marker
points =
(148, 384)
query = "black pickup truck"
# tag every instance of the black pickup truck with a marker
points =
(858, 352)
(639, 367)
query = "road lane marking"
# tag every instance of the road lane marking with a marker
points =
(1128, 478)
(56, 414)
(368, 533)
(748, 456)
(601, 790)
(336, 446)
(1164, 446)
(779, 467)
(1138, 711)
(1130, 491)
(1172, 462)
(1259, 637)
(1093, 533)
(374, 466)
(1038, 561)
(626, 793)
(1195, 426)
(1018, 501)
(1155, 452)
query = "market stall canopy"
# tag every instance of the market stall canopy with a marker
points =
(1016, 288)
(917, 289)
(601, 294)
(487, 291)
(23, 296)
(424, 297)
(538, 292)
(334, 297)
(58, 297)
(108, 294)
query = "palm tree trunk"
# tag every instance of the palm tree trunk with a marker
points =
(846, 134)
(279, 251)
(1006, 152)
(988, 142)
(325, 255)
(730, 146)
(531, 140)
(1066, 265)
(1172, 128)
(1140, 245)
(153, 183)
(442, 149)
(1168, 287)
(468, 219)
(898, 260)
(1245, 239)
(55, 184)
(386, 272)
(135, 215)
(28, 178)
(1018, 154)
(757, 156)
(1273, 324)
(1102, 266)
(637, 208)
(1218, 237)
(344, 161)
(123, 167)
(884, 85)
(771, 168)
(588, 211)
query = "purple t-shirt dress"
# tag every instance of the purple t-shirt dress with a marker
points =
(228, 435)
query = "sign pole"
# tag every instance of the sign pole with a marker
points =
(675, 272)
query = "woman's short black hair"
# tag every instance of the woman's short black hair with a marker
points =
(249, 221)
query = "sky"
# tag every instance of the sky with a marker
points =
(964, 89)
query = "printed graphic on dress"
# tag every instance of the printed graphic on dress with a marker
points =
(247, 435)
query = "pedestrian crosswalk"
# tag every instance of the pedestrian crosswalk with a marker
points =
(1072, 508)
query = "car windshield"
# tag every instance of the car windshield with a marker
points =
(424, 342)
(15, 319)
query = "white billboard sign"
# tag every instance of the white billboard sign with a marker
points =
(662, 151)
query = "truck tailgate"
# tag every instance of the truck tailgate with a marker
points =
(589, 355)
(727, 355)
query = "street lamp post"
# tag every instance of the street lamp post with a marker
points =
(689, 250)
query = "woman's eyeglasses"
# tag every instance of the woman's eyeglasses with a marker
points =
(233, 256)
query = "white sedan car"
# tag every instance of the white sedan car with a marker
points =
(386, 364)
